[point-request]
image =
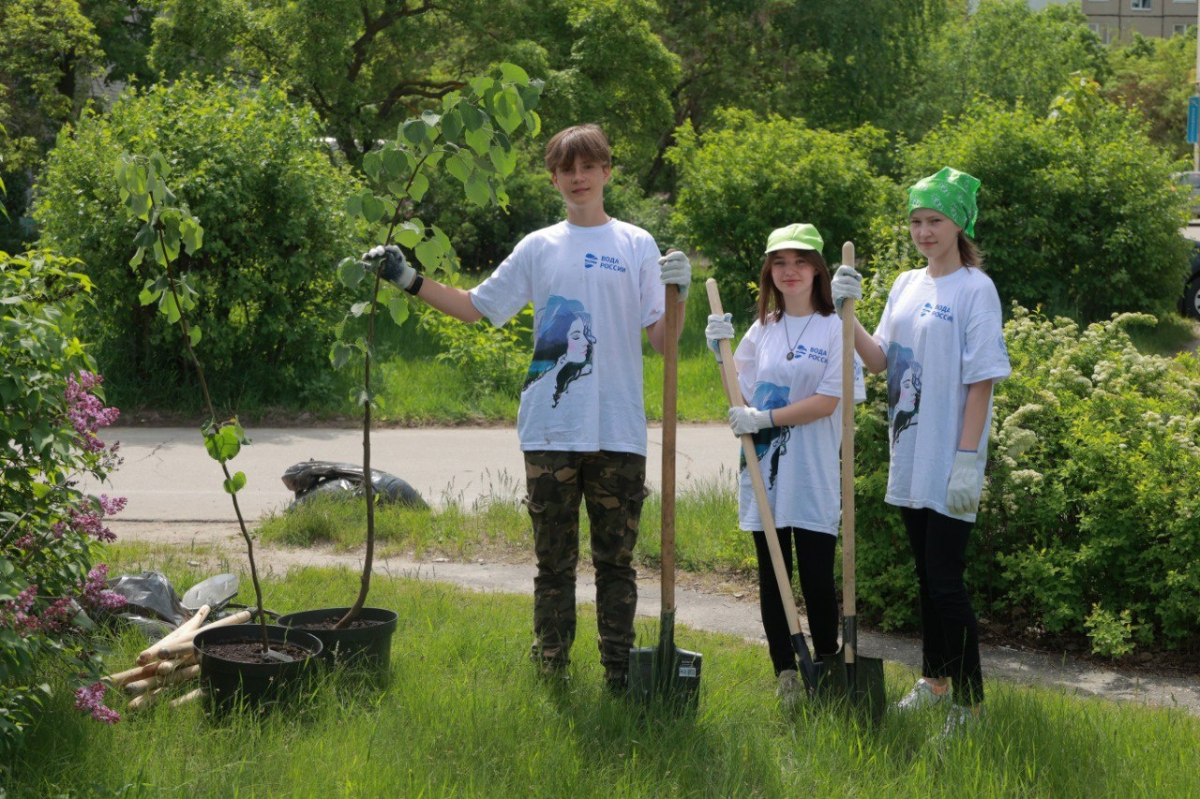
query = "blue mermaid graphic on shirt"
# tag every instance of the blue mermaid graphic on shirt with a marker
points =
(904, 389)
(563, 347)
(770, 444)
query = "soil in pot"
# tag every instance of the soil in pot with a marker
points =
(233, 667)
(364, 644)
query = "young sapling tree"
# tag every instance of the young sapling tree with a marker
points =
(470, 139)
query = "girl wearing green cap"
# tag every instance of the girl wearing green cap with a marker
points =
(941, 341)
(789, 371)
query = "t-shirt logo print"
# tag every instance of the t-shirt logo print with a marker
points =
(771, 443)
(590, 260)
(563, 347)
(904, 389)
(942, 312)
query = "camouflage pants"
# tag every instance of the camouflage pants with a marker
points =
(613, 484)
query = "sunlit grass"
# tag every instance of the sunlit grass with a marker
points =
(464, 714)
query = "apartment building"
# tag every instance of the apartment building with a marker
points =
(1160, 18)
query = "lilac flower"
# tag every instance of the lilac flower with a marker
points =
(90, 699)
(92, 592)
(86, 412)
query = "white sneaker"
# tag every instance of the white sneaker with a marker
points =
(921, 695)
(960, 721)
(789, 689)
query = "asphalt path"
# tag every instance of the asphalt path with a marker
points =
(175, 498)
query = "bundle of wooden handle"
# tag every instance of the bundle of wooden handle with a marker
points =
(168, 662)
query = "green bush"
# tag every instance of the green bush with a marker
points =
(747, 176)
(1090, 522)
(52, 407)
(251, 166)
(1077, 210)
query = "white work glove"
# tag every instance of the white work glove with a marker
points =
(745, 420)
(846, 285)
(677, 269)
(718, 328)
(962, 497)
(391, 264)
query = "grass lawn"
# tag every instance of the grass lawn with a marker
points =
(465, 714)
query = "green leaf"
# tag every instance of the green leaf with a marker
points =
(170, 306)
(194, 335)
(420, 185)
(354, 205)
(514, 74)
(458, 166)
(360, 308)
(478, 191)
(414, 131)
(339, 354)
(372, 163)
(508, 112)
(431, 119)
(193, 234)
(410, 233)
(429, 253)
(350, 272)
(224, 444)
(452, 126)
(479, 140)
(504, 161)
(235, 483)
(533, 123)
(395, 162)
(472, 117)
(481, 85)
(372, 208)
(398, 308)
(147, 296)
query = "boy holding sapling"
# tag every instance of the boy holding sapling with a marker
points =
(595, 283)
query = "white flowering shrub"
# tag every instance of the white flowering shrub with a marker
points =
(1090, 518)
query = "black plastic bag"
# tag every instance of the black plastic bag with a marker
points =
(149, 597)
(345, 479)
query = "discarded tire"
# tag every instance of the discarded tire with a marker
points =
(229, 682)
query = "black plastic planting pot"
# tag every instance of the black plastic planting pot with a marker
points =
(256, 684)
(367, 648)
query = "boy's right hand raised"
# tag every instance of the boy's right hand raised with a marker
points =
(391, 264)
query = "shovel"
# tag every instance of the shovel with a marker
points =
(858, 679)
(811, 672)
(666, 673)
(216, 592)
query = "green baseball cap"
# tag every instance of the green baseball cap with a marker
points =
(800, 236)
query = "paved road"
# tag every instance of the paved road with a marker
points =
(175, 497)
(168, 476)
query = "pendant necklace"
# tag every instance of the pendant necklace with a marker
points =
(787, 334)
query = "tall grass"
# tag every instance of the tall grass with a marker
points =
(465, 715)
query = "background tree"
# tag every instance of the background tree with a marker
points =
(1152, 75)
(1078, 214)
(1004, 51)
(748, 176)
(254, 169)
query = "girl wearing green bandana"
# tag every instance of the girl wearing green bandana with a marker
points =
(940, 339)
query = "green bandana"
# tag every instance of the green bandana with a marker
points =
(951, 192)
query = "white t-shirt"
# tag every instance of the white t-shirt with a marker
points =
(799, 465)
(593, 289)
(939, 335)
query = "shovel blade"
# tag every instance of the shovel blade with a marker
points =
(859, 684)
(665, 673)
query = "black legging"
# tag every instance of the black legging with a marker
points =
(815, 551)
(949, 630)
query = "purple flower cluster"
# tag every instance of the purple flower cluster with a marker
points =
(89, 518)
(90, 699)
(86, 412)
(15, 615)
(93, 594)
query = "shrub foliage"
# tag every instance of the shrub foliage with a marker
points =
(253, 168)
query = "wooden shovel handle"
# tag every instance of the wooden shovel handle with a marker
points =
(733, 393)
(670, 393)
(849, 609)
